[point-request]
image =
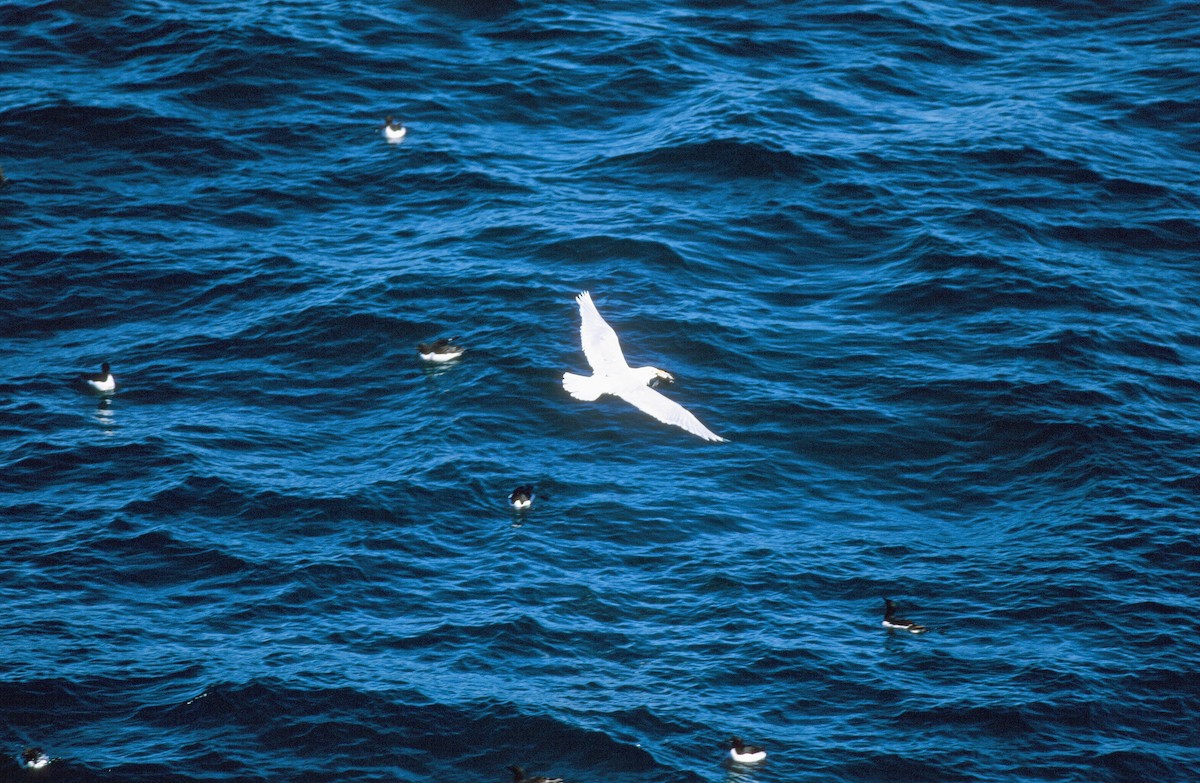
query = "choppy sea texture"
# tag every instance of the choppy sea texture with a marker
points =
(930, 266)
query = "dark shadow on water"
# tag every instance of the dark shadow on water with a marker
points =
(473, 9)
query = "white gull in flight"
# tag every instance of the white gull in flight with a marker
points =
(612, 375)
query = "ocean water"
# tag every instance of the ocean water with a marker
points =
(933, 268)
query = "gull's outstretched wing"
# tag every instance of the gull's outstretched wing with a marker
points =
(667, 410)
(600, 344)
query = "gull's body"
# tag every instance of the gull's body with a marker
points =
(612, 375)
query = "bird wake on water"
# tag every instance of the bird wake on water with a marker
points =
(612, 375)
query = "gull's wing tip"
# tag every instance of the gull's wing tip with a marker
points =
(708, 435)
(668, 411)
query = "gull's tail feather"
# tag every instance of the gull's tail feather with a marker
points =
(582, 387)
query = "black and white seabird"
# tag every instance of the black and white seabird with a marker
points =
(519, 777)
(102, 382)
(892, 622)
(521, 498)
(393, 131)
(34, 758)
(440, 350)
(745, 754)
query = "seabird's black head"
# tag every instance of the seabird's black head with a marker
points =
(889, 608)
(736, 744)
(518, 773)
(31, 755)
(440, 344)
(104, 368)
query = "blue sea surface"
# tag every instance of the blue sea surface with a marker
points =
(933, 268)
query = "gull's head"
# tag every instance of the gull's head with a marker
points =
(652, 375)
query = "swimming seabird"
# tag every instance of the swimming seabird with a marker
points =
(440, 350)
(745, 754)
(393, 131)
(102, 382)
(34, 758)
(521, 498)
(891, 621)
(612, 375)
(519, 777)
